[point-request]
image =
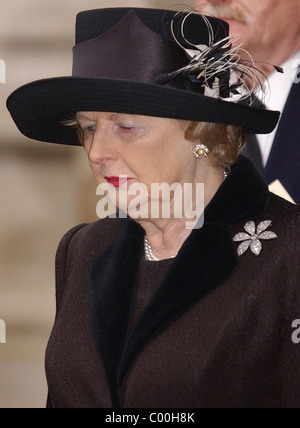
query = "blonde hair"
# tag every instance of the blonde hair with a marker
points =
(225, 142)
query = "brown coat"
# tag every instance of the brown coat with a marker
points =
(207, 330)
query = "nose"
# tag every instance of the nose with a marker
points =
(103, 149)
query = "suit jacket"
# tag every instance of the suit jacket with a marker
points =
(217, 330)
(284, 159)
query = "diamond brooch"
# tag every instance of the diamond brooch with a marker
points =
(252, 239)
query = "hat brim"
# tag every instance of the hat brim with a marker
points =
(38, 107)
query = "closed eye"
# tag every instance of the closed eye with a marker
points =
(130, 131)
(126, 128)
(91, 129)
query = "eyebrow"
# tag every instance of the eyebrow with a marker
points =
(118, 116)
(115, 116)
(82, 116)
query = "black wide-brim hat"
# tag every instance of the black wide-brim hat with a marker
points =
(139, 61)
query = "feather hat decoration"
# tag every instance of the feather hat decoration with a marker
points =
(216, 67)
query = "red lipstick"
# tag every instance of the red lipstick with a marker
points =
(117, 181)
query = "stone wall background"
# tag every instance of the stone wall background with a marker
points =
(44, 191)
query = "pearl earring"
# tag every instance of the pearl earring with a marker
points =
(200, 151)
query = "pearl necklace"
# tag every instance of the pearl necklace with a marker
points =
(149, 252)
(149, 255)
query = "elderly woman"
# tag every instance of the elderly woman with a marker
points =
(151, 313)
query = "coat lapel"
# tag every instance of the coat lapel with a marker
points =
(205, 261)
(112, 282)
(284, 160)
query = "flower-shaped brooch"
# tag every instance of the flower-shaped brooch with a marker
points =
(254, 236)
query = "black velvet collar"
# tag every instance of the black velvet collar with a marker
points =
(202, 265)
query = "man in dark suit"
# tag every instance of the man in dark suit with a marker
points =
(270, 31)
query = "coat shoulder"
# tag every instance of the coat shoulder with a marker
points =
(78, 249)
(285, 219)
(86, 241)
(88, 232)
(284, 215)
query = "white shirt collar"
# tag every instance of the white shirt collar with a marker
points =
(280, 87)
(281, 84)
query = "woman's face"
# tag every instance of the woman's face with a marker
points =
(145, 149)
